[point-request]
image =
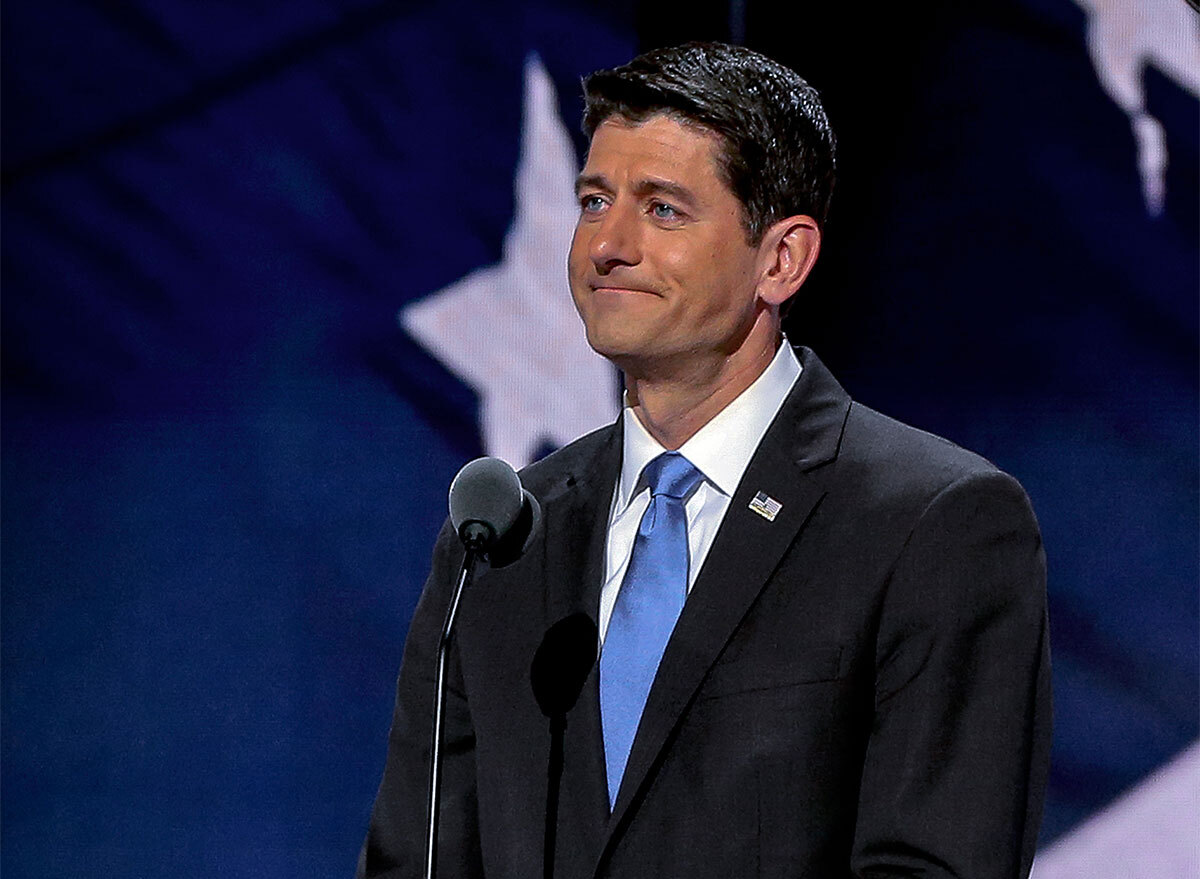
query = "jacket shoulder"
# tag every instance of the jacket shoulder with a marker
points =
(887, 459)
(576, 458)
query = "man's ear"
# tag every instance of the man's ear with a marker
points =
(786, 255)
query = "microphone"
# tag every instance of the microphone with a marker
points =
(491, 512)
(495, 519)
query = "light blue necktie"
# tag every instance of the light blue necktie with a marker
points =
(647, 607)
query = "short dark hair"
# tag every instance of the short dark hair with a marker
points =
(778, 153)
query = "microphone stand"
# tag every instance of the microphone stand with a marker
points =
(475, 537)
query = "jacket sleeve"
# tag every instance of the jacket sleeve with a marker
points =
(395, 843)
(957, 759)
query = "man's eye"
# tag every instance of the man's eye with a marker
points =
(591, 203)
(663, 211)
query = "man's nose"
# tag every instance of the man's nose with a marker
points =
(616, 240)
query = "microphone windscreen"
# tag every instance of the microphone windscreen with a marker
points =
(509, 547)
(486, 490)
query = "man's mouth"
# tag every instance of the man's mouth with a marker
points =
(620, 289)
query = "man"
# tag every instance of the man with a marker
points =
(823, 632)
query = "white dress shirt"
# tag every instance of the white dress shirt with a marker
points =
(721, 450)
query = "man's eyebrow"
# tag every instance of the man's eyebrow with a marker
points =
(659, 186)
(642, 188)
(591, 181)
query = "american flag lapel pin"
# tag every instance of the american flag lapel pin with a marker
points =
(766, 506)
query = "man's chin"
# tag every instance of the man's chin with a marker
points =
(635, 358)
(615, 346)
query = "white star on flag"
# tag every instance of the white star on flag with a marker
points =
(510, 330)
(1123, 40)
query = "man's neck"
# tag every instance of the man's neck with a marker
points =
(673, 409)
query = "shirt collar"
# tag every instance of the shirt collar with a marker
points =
(723, 447)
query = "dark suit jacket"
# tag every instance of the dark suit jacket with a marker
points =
(859, 687)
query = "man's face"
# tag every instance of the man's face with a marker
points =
(660, 269)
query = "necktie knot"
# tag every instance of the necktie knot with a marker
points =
(672, 475)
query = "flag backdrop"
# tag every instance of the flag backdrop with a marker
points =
(272, 274)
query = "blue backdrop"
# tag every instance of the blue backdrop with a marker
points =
(225, 457)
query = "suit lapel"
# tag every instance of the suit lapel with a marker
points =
(786, 467)
(575, 513)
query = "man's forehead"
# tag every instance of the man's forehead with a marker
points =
(657, 123)
(660, 140)
(656, 116)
